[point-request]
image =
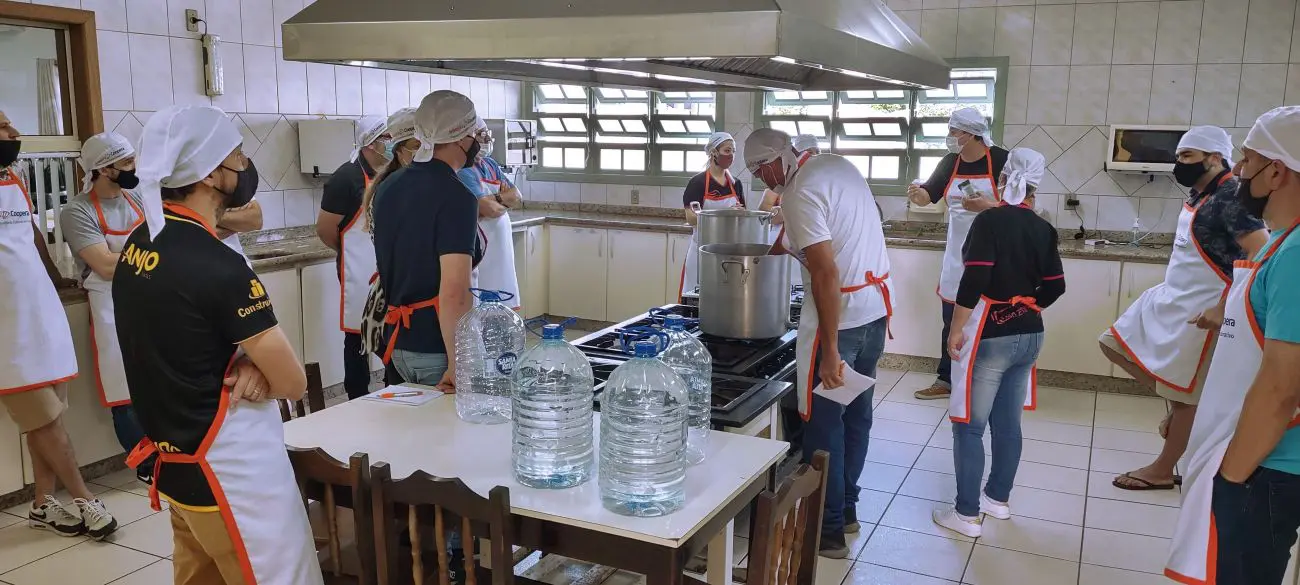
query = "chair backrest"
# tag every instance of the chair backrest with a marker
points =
(787, 529)
(328, 480)
(444, 500)
(314, 401)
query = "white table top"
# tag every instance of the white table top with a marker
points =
(432, 438)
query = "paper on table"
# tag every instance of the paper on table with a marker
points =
(854, 385)
(422, 396)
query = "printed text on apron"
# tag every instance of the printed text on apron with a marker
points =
(963, 367)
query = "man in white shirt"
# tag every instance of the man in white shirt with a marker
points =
(832, 226)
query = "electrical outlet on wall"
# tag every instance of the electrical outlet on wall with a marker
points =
(191, 20)
(636, 197)
(1071, 202)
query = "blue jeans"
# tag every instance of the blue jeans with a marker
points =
(420, 368)
(945, 363)
(1256, 523)
(129, 433)
(843, 431)
(997, 398)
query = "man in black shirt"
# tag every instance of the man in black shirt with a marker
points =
(966, 177)
(426, 230)
(1013, 271)
(339, 227)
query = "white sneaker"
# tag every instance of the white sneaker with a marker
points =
(994, 508)
(99, 523)
(949, 518)
(51, 515)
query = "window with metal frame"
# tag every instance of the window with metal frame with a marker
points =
(626, 131)
(893, 136)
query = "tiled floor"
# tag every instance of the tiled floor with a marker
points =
(1070, 526)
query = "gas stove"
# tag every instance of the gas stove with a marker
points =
(748, 375)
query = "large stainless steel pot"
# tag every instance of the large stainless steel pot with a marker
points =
(732, 226)
(744, 292)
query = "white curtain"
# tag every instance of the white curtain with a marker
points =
(49, 97)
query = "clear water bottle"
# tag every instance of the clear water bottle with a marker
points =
(554, 446)
(489, 340)
(643, 437)
(691, 360)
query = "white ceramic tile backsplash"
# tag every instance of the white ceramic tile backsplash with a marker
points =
(1135, 23)
(1215, 101)
(259, 23)
(1053, 33)
(150, 54)
(939, 29)
(1094, 34)
(115, 56)
(187, 73)
(1171, 94)
(976, 32)
(1130, 94)
(322, 93)
(109, 14)
(1048, 90)
(1262, 89)
(146, 16)
(1015, 33)
(1268, 31)
(1089, 89)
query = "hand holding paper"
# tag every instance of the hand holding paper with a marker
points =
(854, 385)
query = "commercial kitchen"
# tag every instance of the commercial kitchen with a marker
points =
(602, 114)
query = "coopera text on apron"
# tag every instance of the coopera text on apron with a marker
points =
(1155, 332)
(39, 350)
(959, 222)
(691, 269)
(1194, 551)
(356, 270)
(111, 374)
(497, 270)
(963, 367)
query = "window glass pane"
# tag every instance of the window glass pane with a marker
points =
(552, 156)
(787, 126)
(884, 167)
(814, 95)
(611, 93)
(574, 125)
(634, 160)
(673, 126)
(972, 90)
(926, 166)
(939, 93)
(786, 96)
(857, 129)
(33, 87)
(698, 127)
(860, 95)
(574, 92)
(611, 126)
(816, 128)
(696, 160)
(676, 94)
(891, 94)
(575, 158)
(700, 94)
(863, 163)
(934, 129)
(636, 94)
(672, 161)
(611, 159)
(552, 125)
(634, 125)
(882, 129)
(551, 92)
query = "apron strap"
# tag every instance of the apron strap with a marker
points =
(146, 448)
(880, 283)
(400, 318)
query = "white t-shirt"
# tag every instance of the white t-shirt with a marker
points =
(829, 200)
(233, 242)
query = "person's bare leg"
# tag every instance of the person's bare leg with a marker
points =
(51, 442)
(42, 475)
(1129, 367)
(1161, 471)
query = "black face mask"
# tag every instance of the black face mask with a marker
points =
(1187, 174)
(1254, 205)
(9, 152)
(126, 179)
(471, 154)
(245, 186)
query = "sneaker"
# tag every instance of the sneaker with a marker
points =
(936, 391)
(99, 523)
(851, 525)
(994, 508)
(964, 525)
(52, 515)
(834, 547)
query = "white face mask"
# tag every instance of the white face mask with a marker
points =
(954, 145)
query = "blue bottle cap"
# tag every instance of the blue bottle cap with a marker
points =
(646, 349)
(553, 332)
(489, 296)
(674, 322)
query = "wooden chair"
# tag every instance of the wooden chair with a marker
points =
(335, 484)
(787, 529)
(314, 401)
(451, 505)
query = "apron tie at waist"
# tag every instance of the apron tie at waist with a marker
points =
(400, 318)
(880, 283)
(145, 449)
(1030, 302)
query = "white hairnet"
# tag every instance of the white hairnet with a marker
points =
(401, 125)
(766, 145)
(101, 150)
(1276, 136)
(717, 140)
(1209, 139)
(368, 129)
(181, 145)
(1024, 169)
(972, 121)
(805, 142)
(443, 117)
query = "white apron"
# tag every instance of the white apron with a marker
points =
(959, 222)
(1155, 332)
(691, 269)
(497, 270)
(356, 269)
(964, 366)
(255, 489)
(33, 325)
(103, 325)
(1236, 362)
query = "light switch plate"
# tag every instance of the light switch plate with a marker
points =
(636, 197)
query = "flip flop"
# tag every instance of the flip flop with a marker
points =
(1145, 486)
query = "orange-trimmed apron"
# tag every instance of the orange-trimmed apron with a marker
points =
(497, 269)
(963, 367)
(356, 270)
(110, 374)
(691, 269)
(959, 222)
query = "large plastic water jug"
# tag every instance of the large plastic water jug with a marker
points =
(489, 339)
(687, 356)
(554, 445)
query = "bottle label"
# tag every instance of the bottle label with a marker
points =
(506, 363)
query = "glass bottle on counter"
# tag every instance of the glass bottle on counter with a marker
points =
(489, 339)
(643, 437)
(687, 356)
(552, 409)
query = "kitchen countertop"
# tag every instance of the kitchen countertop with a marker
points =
(273, 250)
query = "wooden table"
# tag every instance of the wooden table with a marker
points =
(568, 522)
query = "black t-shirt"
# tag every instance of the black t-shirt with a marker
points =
(695, 190)
(422, 212)
(938, 181)
(345, 189)
(183, 303)
(1011, 252)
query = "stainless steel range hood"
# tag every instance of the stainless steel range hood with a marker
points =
(661, 45)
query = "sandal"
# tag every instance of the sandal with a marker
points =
(1144, 486)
